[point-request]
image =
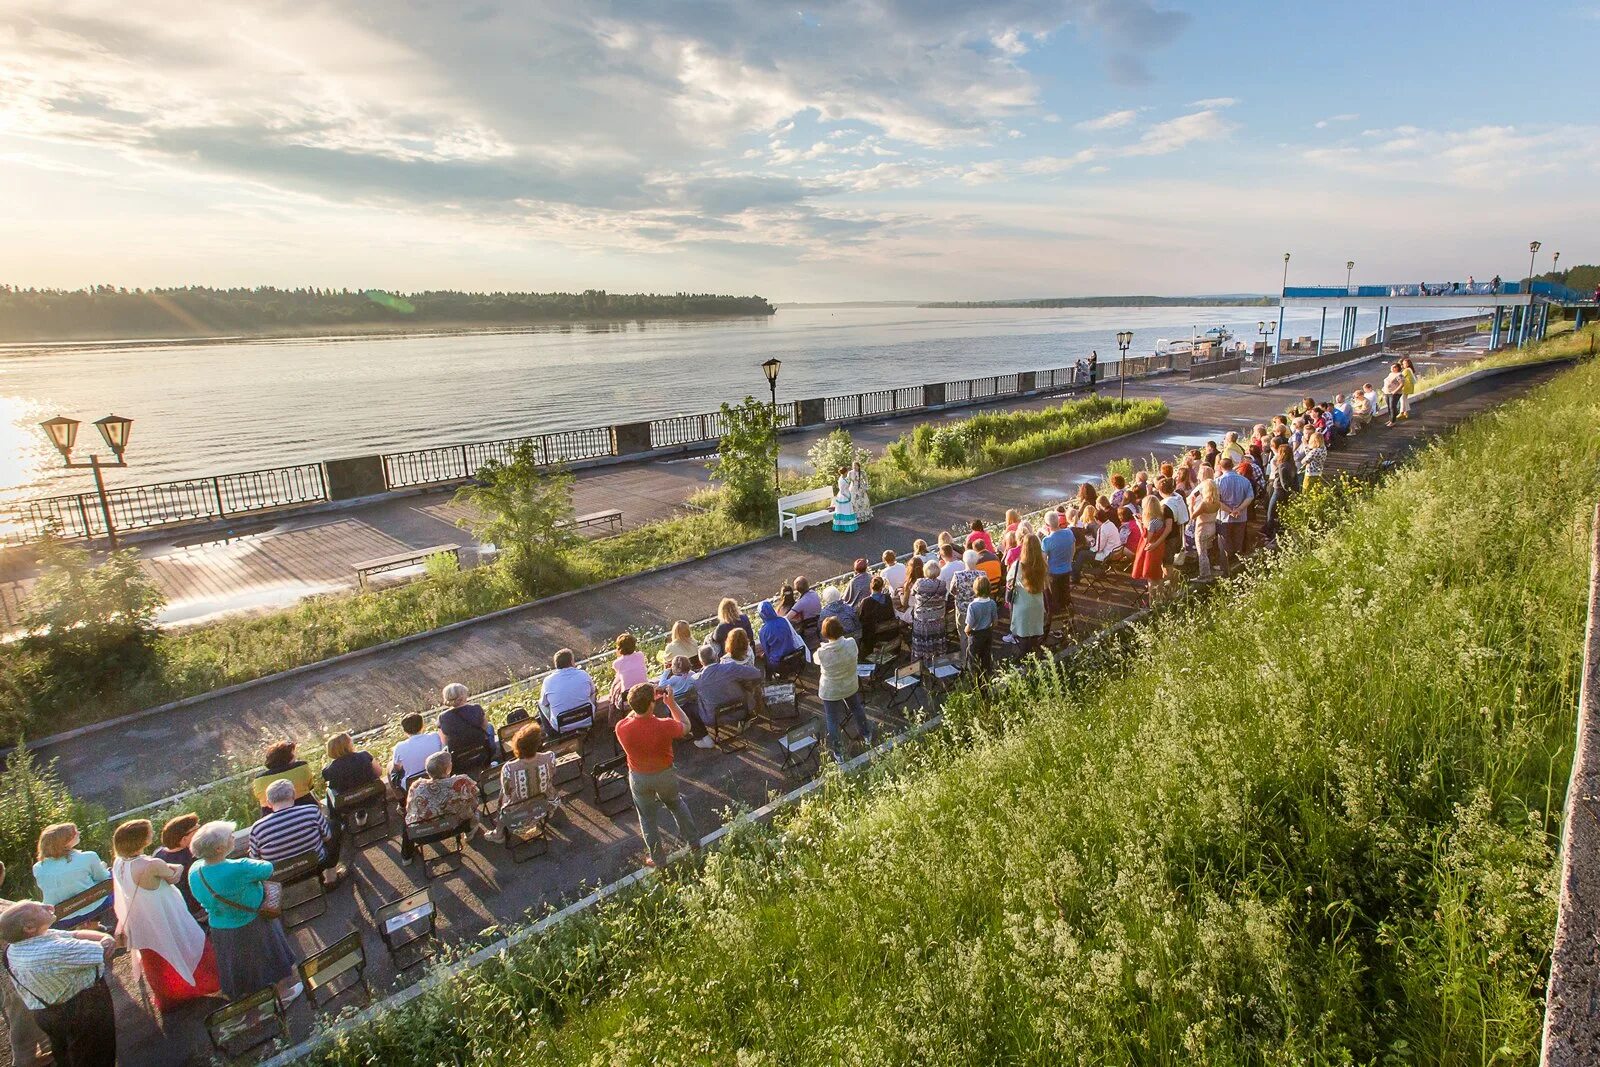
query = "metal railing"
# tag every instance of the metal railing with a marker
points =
(143, 507)
(174, 503)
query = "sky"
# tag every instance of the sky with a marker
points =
(834, 151)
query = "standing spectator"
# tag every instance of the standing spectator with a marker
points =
(63, 871)
(1231, 447)
(860, 586)
(1233, 520)
(411, 754)
(29, 1045)
(252, 950)
(978, 627)
(466, 730)
(628, 669)
(926, 601)
(1207, 505)
(1408, 385)
(439, 797)
(839, 687)
(155, 924)
(1280, 484)
(61, 980)
(1026, 585)
(646, 741)
(1393, 388)
(1312, 460)
(1149, 564)
(1060, 544)
(290, 830)
(176, 836)
(1178, 508)
(565, 688)
(527, 783)
(963, 588)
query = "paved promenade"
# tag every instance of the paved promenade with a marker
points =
(127, 764)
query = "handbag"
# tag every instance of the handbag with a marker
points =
(271, 899)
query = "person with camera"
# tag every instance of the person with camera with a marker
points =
(646, 739)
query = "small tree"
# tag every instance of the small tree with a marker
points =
(526, 513)
(87, 611)
(835, 450)
(746, 459)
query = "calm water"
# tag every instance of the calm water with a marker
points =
(212, 408)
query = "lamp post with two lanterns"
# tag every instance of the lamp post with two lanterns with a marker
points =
(63, 433)
(1124, 339)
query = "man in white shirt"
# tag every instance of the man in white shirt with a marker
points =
(1108, 542)
(894, 573)
(411, 754)
(1393, 386)
(565, 688)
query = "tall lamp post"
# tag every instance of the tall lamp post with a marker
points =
(1124, 339)
(1283, 291)
(770, 369)
(1349, 269)
(114, 429)
(1527, 313)
(1266, 330)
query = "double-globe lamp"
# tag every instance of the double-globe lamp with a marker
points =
(1124, 339)
(114, 430)
(770, 368)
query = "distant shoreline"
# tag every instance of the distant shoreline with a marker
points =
(352, 332)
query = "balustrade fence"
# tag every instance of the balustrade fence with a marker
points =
(145, 507)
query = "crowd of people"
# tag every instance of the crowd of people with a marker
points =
(201, 913)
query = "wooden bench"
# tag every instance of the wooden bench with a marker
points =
(403, 559)
(611, 519)
(788, 517)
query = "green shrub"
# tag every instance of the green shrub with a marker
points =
(948, 448)
(525, 511)
(746, 459)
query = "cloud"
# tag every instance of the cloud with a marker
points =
(1173, 134)
(1214, 102)
(1481, 157)
(1323, 124)
(1109, 121)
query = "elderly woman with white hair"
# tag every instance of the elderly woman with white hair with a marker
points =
(963, 592)
(835, 607)
(252, 950)
(466, 730)
(927, 596)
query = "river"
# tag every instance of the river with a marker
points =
(212, 408)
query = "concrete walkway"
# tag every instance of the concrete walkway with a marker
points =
(129, 763)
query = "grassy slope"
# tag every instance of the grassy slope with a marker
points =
(1312, 821)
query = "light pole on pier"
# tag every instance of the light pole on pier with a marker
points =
(114, 430)
(1283, 291)
(770, 369)
(1349, 269)
(1124, 339)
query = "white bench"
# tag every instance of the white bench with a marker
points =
(788, 505)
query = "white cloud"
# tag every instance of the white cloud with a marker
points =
(1482, 157)
(1109, 121)
(1173, 134)
(1323, 124)
(1213, 102)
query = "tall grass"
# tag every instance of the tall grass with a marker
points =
(1309, 820)
(1561, 342)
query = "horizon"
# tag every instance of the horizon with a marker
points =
(818, 155)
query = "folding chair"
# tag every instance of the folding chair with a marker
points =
(779, 696)
(253, 1020)
(888, 643)
(528, 837)
(802, 747)
(904, 683)
(571, 728)
(943, 671)
(516, 720)
(89, 898)
(728, 721)
(373, 800)
(304, 897)
(473, 760)
(336, 970)
(439, 833)
(407, 926)
(489, 796)
(610, 781)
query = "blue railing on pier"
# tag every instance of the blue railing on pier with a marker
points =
(1552, 291)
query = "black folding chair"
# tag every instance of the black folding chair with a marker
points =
(243, 1024)
(371, 799)
(407, 925)
(439, 833)
(609, 778)
(304, 896)
(802, 746)
(332, 972)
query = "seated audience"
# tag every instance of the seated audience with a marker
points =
(834, 606)
(466, 731)
(176, 837)
(410, 756)
(860, 586)
(527, 782)
(979, 537)
(779, 638)
(281, 763)
(347, 769)
(807, 604)
(876, 611)
(565, 688)
(289, 830)
(730, 618)
(441, 796)
(893, 573)
(628, 669)
(680, 643)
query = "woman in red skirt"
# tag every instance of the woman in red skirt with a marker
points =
(174, 954)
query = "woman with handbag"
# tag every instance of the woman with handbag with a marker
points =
(243, 904)
(154, 922)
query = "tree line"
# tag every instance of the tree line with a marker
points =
(113, 311)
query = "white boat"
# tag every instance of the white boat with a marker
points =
(1213, 342)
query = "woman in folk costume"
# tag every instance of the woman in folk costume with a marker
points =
(844, 512)
(859, 500)
(173, 952)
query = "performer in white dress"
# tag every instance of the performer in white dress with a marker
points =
(858, 493)
(844, 512)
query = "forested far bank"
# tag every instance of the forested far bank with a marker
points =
(106, 311)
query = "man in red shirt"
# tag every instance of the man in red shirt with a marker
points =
(646, 740)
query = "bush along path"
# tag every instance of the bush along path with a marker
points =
(58, 679)
(1309, 819)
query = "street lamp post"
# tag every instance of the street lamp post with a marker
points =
(1282, 291)
(770, 369)
(1349, 269)
(1124, 339)
(1527, 313)
(114, 429)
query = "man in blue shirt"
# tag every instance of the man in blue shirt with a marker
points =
(1059, 545)
(1235, 492)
